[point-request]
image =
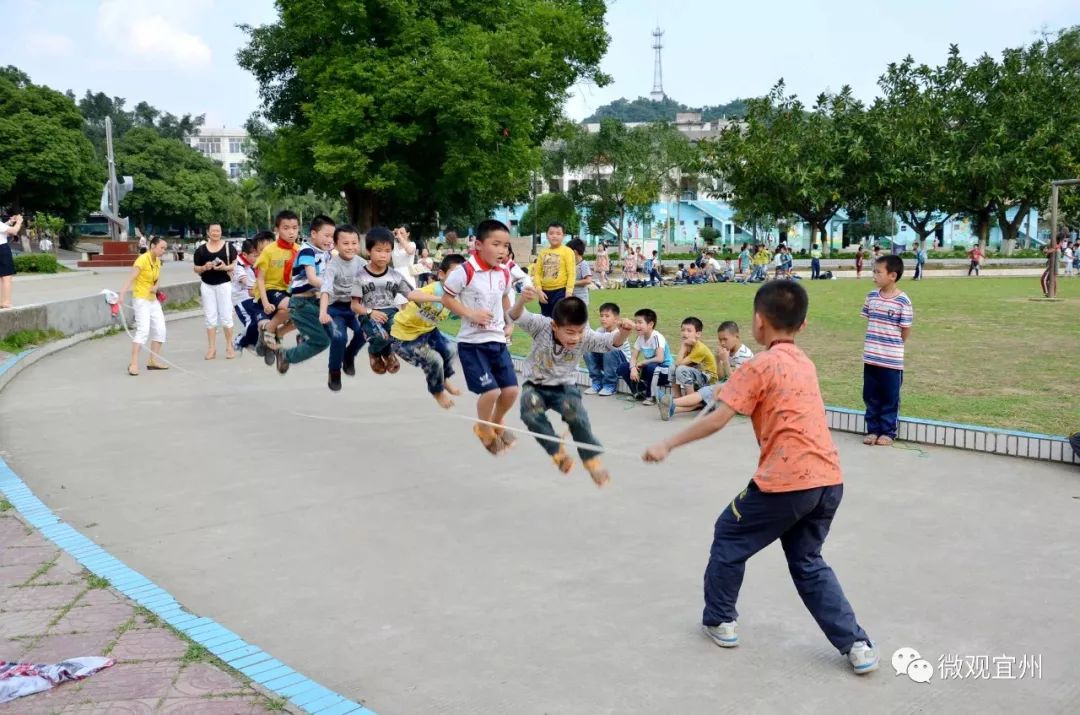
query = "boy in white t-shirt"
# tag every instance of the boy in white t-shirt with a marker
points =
(650, 358)
(478, 291)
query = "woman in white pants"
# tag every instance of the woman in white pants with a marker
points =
(214, 262)
(149, 318)
(403, 258)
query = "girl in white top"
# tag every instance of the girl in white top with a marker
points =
(402, 259)
(7, 261)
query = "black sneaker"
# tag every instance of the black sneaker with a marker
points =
(349, 366)
(282, 362)
(334, 381)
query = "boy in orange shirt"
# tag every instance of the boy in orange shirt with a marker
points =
(797, 486)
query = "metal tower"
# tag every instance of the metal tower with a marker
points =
(657, 94)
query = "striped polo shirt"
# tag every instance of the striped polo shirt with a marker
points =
(307, 256)
(886, 316)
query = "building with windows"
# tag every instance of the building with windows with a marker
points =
(228, 147)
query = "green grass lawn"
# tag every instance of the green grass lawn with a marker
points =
(980, 351)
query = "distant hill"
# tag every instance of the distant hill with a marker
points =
(644, 109)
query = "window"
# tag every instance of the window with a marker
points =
(695, 222)
(234, 170)
(554, 186)
(210, 145)
(708, 221)
(236, 146)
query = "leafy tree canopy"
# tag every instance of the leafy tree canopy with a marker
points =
(647, 110)
(550, 208)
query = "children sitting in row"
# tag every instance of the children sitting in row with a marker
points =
(730, 354)
(695, 366)
(650, 353)
(605, 368)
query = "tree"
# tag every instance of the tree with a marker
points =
(646, 110)
(174, 184)
(417, 108)
(625, 170)
(46, 164)
(909, 129)
(551, 208)
(875, 222)
(787, 160)
(95, 107)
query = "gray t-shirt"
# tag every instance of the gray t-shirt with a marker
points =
(549, 363)
(583, 271)
(339, 278)
(377, 292)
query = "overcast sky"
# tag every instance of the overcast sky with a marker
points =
(180, 55)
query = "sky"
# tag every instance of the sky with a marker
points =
(180, 55)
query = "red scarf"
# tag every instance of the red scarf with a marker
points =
(286, 246)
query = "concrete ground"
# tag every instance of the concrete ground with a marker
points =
(30, 289)
(365, 537)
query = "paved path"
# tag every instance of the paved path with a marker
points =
(50, 611)
(31, 289)
(365, 538)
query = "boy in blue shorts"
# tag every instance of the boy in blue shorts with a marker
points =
(478, 291)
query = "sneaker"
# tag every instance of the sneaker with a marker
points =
(723, 635)
(349, 366)
(649, 401)
(593, 390)
(392, 363)
(606, 391)
(334, 380)
(377, 365)
(863, 657)
(282, 362)
(666, 404)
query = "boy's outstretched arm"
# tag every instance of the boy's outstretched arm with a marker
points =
(698, 429)
(455, 306)
(625, 327)
(527, 294)
(419, 296)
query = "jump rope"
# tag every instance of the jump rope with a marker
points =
(564, 440)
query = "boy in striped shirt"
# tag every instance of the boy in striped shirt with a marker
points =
(890, 315)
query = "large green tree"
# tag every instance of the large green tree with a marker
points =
(625, 170)
(416, 108)
(96, 106)
(550, 208)
(790, 160)
(174, 183)
(46, 164)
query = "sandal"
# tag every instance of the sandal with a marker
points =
(133, 373)
(870, 439)
(489, 439)
(230, 354)
(884, 441)
(155, 366)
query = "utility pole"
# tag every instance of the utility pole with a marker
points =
(114, 200)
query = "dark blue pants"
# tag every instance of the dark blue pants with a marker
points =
(815, 268)
(432, 353)
(801, 521)
(536, 400)
(644, 385)
(553, 297)
(604, 368)
(344, 320)
(378, 334)
(881, 393)
(918, 270)
(249, 314)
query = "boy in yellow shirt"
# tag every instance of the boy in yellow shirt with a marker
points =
(555, 270)
(273, 273)
(695, 366)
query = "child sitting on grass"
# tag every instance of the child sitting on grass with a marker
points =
(550, 375)
(730, 354)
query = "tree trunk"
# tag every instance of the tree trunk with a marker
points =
(362, 206)
(622, 224)
(823, 230)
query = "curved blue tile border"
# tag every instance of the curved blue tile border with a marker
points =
(252, 661)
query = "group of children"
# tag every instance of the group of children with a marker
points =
(325, 294)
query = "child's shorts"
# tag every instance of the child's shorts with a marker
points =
(706, 393)
(274, 297)
(487, 366)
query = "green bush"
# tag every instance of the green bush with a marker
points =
(36, 263)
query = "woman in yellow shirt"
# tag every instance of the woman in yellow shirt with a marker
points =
(149, 317)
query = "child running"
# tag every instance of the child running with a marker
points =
(650, 359)
(273, 273)
(245, 295)
(730, 354)
(890, 315)
(478, 291)
(304, 300)
(418, 341)
(550, 374)
(335, 305)
(796, 489)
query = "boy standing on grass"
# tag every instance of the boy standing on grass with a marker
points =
(554, 271)
(890, 315)
(550, 376)
(796, 489)
(650, 355)
(604, 368)
(582, 272)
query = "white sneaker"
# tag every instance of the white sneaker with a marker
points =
(723, 635)
(592, 391)
(863, 657)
